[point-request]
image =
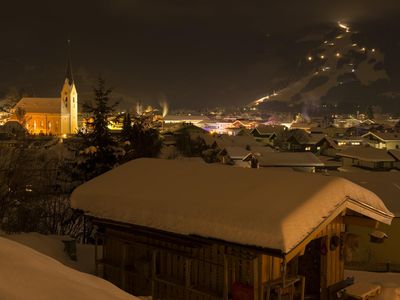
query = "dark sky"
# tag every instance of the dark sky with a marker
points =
(192, 53)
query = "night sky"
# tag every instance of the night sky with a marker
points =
(191, 53)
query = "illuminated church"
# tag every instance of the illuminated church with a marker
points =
(53, 116)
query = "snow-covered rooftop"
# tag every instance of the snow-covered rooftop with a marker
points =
(366, 153)
(40, 105)
(385, 184)
(247, 206)
(289, 159)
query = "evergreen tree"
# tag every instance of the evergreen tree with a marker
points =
(126, 128)
(99, 151)
(140, 139)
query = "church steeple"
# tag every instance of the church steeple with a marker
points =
(69, 100)
(68, 70)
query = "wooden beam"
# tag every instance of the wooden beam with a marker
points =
(360, 221)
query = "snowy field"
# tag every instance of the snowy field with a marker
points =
(28, 274)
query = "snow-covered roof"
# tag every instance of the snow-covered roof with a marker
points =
(224, 140)
(236, 152)
(261, 150)
(40, 105)
(395, 153)
(247, 206)
(289, 159)
(385, 184)
(384, 136)
(28, 274)
(268, 129)
(366, 154)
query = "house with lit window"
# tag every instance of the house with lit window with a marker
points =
(267, 133)
(367, 157)
(383, 140)
(51, 116)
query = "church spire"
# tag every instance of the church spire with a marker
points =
(68, 70)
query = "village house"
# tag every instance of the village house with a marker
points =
(213, 232)
(367, 157)
(350, 141)
(383, 140)
(267, 133)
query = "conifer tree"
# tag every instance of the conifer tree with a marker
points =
(98, 151)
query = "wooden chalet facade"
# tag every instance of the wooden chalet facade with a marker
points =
(168, 251)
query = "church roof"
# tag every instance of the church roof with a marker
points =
(40, 105)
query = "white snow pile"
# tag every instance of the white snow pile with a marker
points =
(27, 274)
(247, 206)
(53, 246)
(389, 283)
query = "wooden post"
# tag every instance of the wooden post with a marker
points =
(154, 274)
(122, 267)
(188, 284)
(260, 277)
(96, 258)
(256, 278)
(303, 287)
(226, 288)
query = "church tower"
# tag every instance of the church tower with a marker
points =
(69, 100)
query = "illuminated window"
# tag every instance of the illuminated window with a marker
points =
(308, 148)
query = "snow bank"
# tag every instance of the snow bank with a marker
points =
(27, 274)
(247, 206)
(53, 246)
(389, 282)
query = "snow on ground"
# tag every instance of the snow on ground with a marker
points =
(246, 206)
(28, 274)
(52, 245)
(390, 282)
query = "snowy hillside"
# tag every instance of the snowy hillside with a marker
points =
(338, 60)
(27, 274)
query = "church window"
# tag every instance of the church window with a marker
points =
(66, 101)
(41, 124)
(49, 124)
(34, 125)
